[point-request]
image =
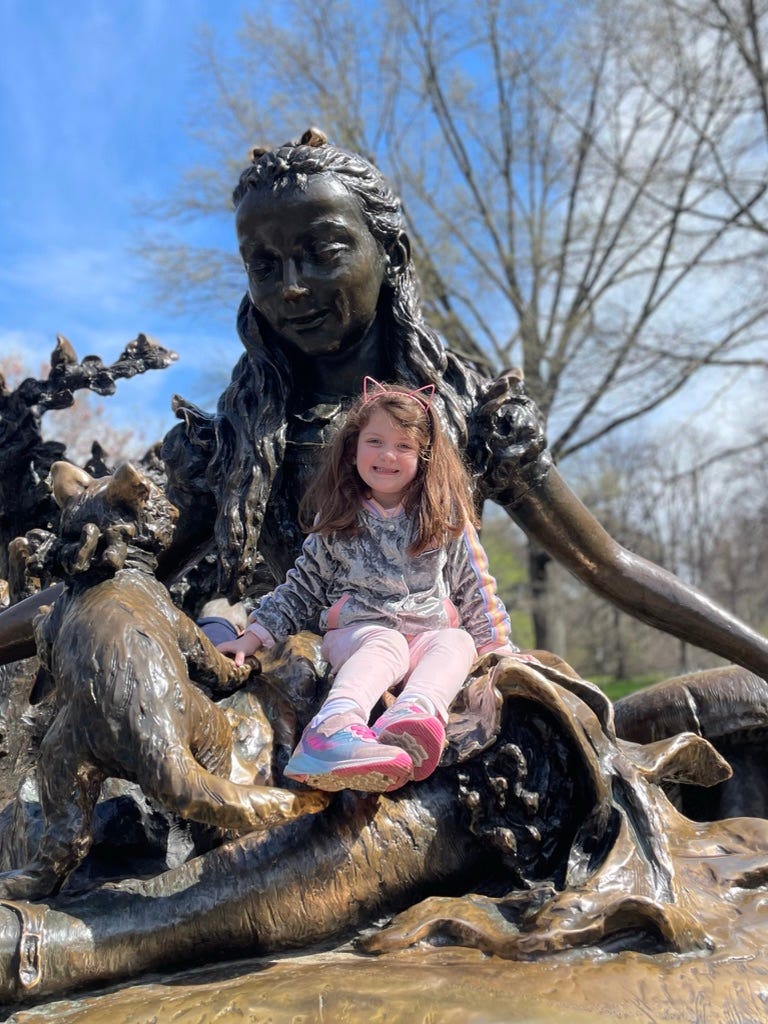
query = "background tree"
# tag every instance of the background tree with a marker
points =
(701, 515)
(585, 186)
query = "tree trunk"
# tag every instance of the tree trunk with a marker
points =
(682, 658)
(620, 662)
(538, 562)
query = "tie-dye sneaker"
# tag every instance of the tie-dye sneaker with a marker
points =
(343, 753)
(419, 733)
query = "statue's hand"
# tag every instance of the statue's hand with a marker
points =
(507, 442)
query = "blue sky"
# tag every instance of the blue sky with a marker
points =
(95, 101)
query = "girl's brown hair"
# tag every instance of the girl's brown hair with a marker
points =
(439, 497)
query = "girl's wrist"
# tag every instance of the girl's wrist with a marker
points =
(260, 634)
(251, 643)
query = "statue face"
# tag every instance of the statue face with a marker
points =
(314, 269)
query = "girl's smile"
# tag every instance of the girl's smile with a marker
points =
(387, 459)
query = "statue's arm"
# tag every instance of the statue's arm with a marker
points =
(552, 514)
(17, 638)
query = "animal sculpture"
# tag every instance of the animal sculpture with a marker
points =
(125, 662)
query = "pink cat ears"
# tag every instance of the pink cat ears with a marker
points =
(373, 389)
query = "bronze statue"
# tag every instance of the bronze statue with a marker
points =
(559, 828)
(122, 658)
(332, 296)
(559, 831)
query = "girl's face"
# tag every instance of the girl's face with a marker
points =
(314, 269)
(387, 459)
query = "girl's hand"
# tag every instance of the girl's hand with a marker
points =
(245, 645)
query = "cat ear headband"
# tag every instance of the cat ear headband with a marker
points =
(373, 389)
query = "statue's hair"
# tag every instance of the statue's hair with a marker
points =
(439, 497)
(251, 420)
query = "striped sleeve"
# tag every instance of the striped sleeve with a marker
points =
(473, 592)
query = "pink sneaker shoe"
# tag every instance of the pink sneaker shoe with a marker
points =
(420, 734)
(343, 753)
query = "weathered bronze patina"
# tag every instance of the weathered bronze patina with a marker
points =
(123, 659)
(544, 841)
(563, 834)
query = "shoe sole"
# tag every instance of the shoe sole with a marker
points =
(373, 776)
(423, 741)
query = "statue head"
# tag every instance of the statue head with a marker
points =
(109, 522)
(322, 240)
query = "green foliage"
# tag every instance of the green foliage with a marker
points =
(504, 546)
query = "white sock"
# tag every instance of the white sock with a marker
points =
(417, 698)
(336, 706)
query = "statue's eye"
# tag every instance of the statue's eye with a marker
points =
(260, 267)
(326, 252)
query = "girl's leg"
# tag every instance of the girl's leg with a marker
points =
(337, 749)
(439, 664)
(367, 661)
(440, 661)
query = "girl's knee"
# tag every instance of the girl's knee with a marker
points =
(468, 644)
(390, 644)
(454, 647)
(459, 642)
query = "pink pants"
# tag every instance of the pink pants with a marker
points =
(369, 660)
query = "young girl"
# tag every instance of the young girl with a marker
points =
(395, 574)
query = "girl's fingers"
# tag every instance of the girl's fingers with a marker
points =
(239, 649)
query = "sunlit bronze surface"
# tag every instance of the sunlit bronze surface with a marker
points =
(454, 986)
(124, 659)
(623, 904)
